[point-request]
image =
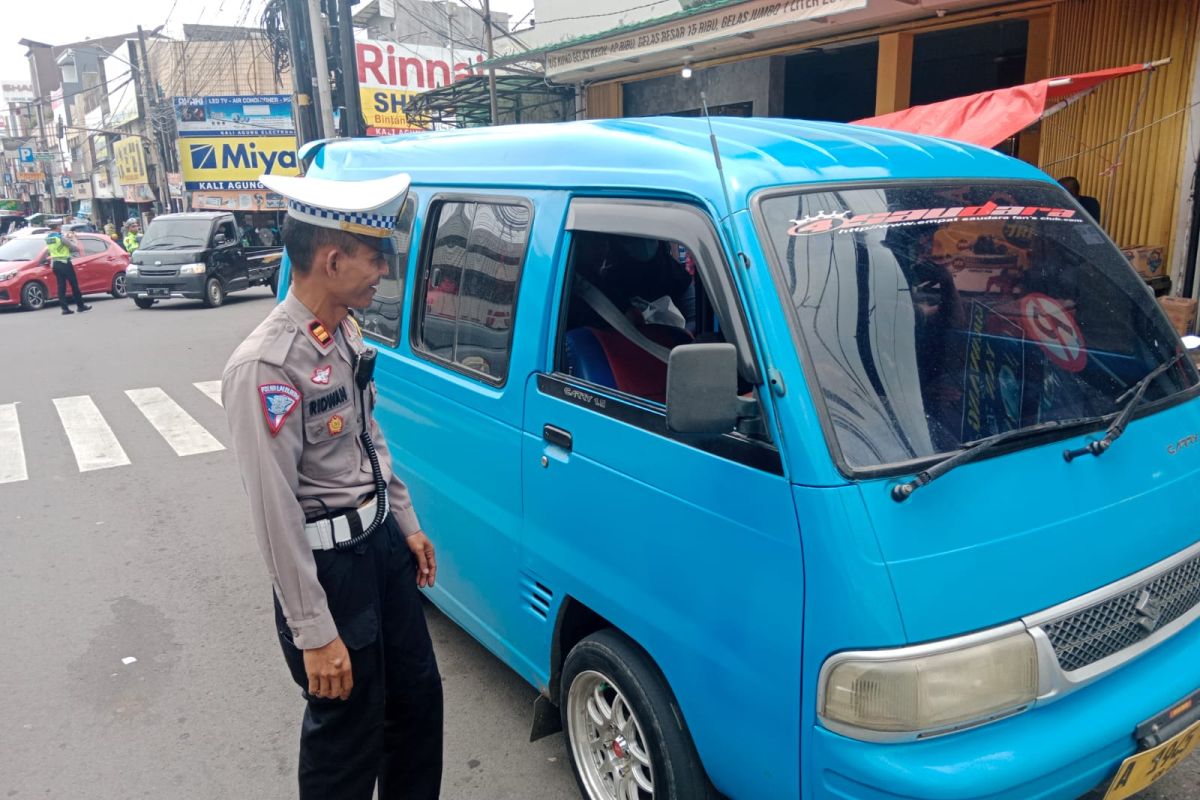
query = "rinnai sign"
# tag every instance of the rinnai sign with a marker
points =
(688, 31)
(390, 75)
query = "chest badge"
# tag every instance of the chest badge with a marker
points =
(318, 332)
(336, 424)
(320, 375)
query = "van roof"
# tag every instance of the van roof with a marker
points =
(658, 154)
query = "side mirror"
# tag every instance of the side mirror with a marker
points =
(702, 384)
(219, 240)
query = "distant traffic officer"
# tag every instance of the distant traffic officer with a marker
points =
(334, 523)
(60, 247)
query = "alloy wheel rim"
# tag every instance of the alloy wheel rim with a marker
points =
(119, 285)
(37, 298)
(214, 292)
(607, 741)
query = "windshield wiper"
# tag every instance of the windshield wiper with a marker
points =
(902, 491)
(1138, 390)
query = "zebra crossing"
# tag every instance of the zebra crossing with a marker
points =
(92, 439)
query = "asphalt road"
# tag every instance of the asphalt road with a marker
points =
(151, 560)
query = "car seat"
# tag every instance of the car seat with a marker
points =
(605, 357)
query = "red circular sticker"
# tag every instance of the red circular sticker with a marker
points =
(1054, 329)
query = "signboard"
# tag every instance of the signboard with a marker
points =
(101, 188)
(131, 161)
(235, 163)
(67, 183)
(31, 176)
(250, 115)
(25, 154)
(238, 201)
(10, 206)
(44, 156)
(175, 184)
(390, 75)
(82, 190)
(138, 193)
(675, 35)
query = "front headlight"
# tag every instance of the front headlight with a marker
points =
(4, 276)
(193, 269)
(132, 269)
(929, 689)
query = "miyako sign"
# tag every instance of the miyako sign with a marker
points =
(390, 75)
(235, 163)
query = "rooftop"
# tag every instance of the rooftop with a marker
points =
(662, 155)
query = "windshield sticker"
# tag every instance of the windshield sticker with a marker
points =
(993, 391)
(1054, 329)
(846, 222)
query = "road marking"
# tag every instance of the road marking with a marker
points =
(94, 443)
(210, 388)
(12, 451)
(186, 436)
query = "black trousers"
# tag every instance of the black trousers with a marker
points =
(390, 729)
(64, 271)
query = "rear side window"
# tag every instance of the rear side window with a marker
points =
(381, 320)
(468, 289)
(92, 247)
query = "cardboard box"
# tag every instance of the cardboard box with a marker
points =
(1147, 259)
(1182, 313)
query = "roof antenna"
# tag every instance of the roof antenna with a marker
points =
(712, 137)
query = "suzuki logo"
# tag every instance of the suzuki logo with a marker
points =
(1149, 611)
(204, 156)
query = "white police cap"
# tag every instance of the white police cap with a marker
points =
(366, 207)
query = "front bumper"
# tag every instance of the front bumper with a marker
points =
(1058, 751)
(162, 287)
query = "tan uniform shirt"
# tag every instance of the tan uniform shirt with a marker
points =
(296, 415)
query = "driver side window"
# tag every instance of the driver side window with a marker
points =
(227, 231)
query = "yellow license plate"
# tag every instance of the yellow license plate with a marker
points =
(1139, 771)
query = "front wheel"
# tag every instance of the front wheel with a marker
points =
(143, 302)
(118, 285)
(33, 296)
(625, 732)
(214, 293)
(274, 282)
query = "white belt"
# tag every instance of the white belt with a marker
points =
(325, 534)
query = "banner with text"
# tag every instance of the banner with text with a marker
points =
(235, 163)
(235, 115)
(390, 75)
(131, 162)
(688, 31)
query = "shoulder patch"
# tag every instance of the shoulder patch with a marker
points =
(279, 400)
(319, 334)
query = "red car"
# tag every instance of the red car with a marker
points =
(27, 280)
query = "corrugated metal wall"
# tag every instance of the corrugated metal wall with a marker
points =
(1084, 140)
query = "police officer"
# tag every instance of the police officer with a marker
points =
(60, 247)
(132, 240)
(335, 524)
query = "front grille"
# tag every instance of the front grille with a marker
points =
(159, 272)
(1110, 626)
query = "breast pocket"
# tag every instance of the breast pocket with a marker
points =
(330, 448)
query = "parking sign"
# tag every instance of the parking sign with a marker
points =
(25, 154)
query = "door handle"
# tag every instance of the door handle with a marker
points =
(557, 437)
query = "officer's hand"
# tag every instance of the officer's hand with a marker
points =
(422, 548)
(328, 670)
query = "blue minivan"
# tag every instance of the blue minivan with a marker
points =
(794, 460)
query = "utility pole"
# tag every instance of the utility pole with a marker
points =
(49, 164)
(296, 21)
(487, 38)
(350, 98)
(164, 190)
(321, 69)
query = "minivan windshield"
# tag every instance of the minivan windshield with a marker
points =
(176, 234)
(935, 315)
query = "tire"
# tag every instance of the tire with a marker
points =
(118, 285)
(143, 302)
(274, 282)
(650, 755)
(214, 293)
(34, 296)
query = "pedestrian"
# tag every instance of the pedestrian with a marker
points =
(132, 240)
(335, 524)
(60, 248)
(1090, 204)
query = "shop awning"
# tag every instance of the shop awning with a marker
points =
(988, 118)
